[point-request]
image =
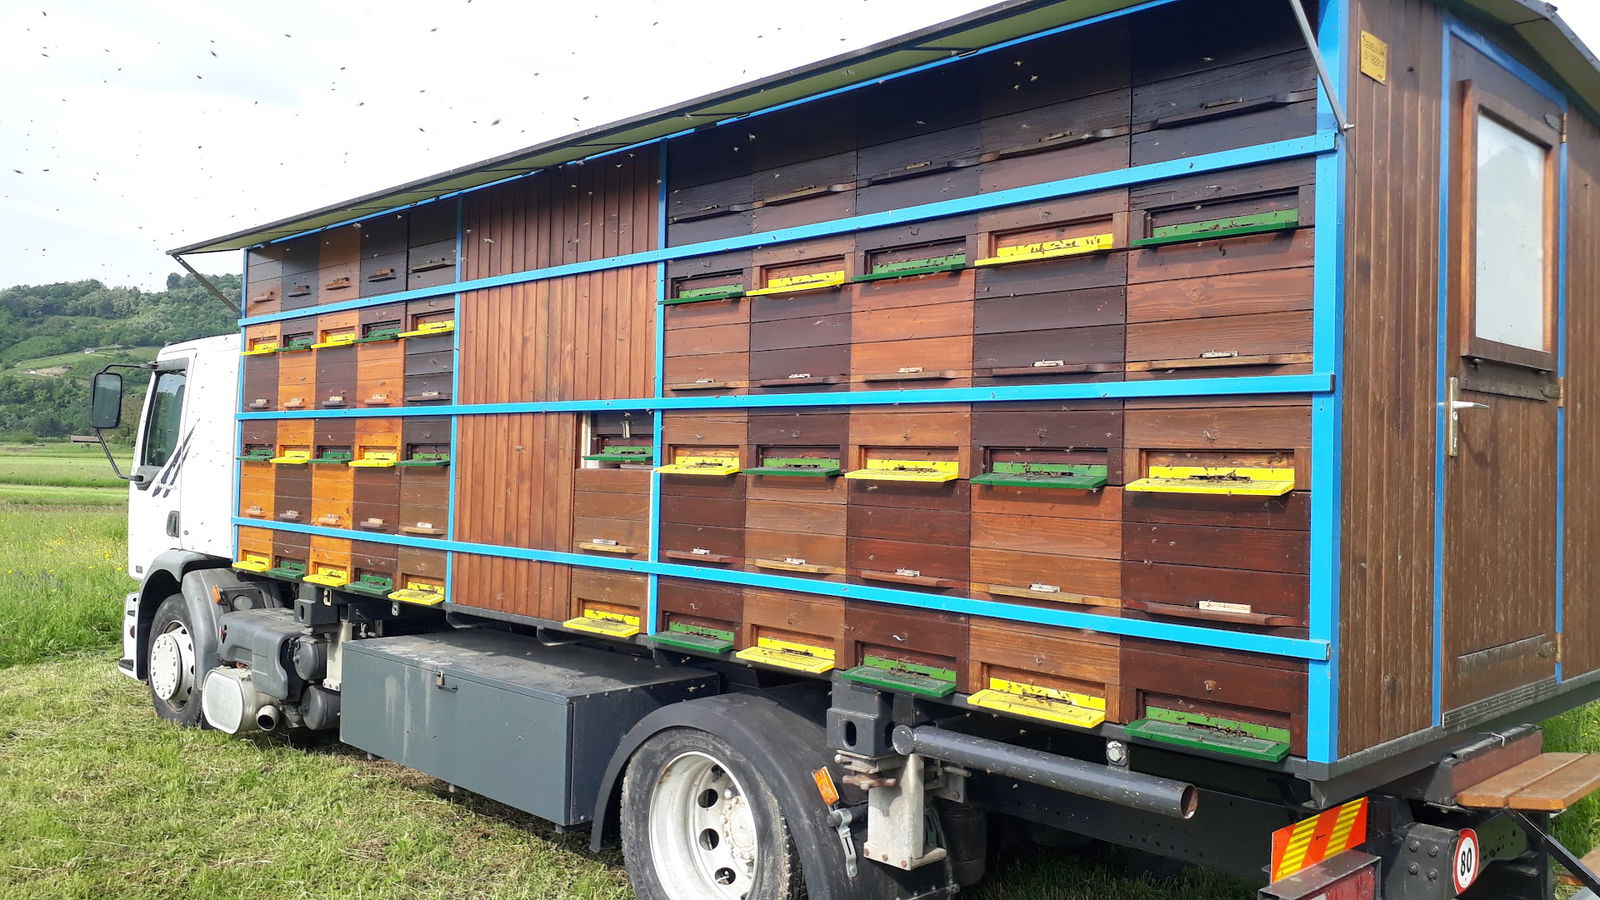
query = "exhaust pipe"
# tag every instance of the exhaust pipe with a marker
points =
(267, 717)
(1150, 793)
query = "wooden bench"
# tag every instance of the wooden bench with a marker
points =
(1549, 782)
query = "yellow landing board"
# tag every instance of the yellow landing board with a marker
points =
(1251, 482)
(1020, 253)
(1033, 701)
(788, 655)
(907, 470)
(609, 624)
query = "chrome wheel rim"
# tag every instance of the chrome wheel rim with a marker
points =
(702, 831)
(172, 664)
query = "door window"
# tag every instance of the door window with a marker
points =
(1510, 168)
(166, 416)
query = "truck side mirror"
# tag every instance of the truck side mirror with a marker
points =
(105, 401)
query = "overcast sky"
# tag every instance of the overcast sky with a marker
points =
(127, 129)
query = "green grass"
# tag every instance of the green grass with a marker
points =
(58, 465)
(78, 360)
(61, 578)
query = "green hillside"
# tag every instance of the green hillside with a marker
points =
(53, 337)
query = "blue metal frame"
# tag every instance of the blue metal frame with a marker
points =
(1295, 148)
(1308, 383)
(1454, 30)
(1295, 648)
(455, 421)
(1327, 411)
(653, 587)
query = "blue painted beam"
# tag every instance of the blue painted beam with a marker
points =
(1294, 648)
(1294, 148)
(1309, 383)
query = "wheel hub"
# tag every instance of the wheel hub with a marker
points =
(703, 831)
(172, 665)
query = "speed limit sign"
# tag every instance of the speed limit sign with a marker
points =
(1464, 870)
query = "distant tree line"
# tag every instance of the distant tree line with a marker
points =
(52, 320)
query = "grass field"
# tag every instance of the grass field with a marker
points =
(98, 798)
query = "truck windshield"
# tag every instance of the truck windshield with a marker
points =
(166, 414)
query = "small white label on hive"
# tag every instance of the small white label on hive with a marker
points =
(1049, 363)
(1219, 354)
(1045, 588)
(700, 551)
(909, 370)
(794, 560)
(604, 542)
(909, 573)
(1219, 606)
(424, 524)
(800, 375)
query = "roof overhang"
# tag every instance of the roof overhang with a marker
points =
(1536, 22)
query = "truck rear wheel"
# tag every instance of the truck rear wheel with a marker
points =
(179, 658)
(700, 823)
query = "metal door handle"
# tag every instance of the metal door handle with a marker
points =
(1454, 405)
(1458, 405)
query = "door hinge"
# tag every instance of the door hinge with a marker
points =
(1563, 128)
(1555, 390)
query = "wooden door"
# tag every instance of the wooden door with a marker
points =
(1499, 404)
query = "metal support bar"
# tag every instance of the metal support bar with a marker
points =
(206, 283)
(1322, 66)
(1567, 858)
(1149, 793)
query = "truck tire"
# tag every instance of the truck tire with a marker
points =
(180, 656)
(699, 822)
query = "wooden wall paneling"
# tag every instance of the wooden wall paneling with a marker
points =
(1080, 136)
(1580, 638)
(300, 283)
(583, 337)
(610, 509)
(1061, 659)
(517, 483)
(263, 280)
(1074, 64)
(419, 565)
(288, 547)
(1243, 687)
(1391, 286)
(516, 586)
(429, 359)
(425, 490)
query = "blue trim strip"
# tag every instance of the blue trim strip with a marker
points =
(1309, 383)
(1483, 45)
(1561, 411)
(1311, 145)
(1327, 411)
(1441, 374)
(455, 421)
(746, 117)
(1295, 648)
(660, 319)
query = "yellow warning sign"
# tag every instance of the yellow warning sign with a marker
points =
(1374, 58)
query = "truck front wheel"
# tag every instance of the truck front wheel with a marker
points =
(700, 823)
(179, 658)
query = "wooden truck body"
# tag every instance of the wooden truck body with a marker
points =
(1070, 364)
